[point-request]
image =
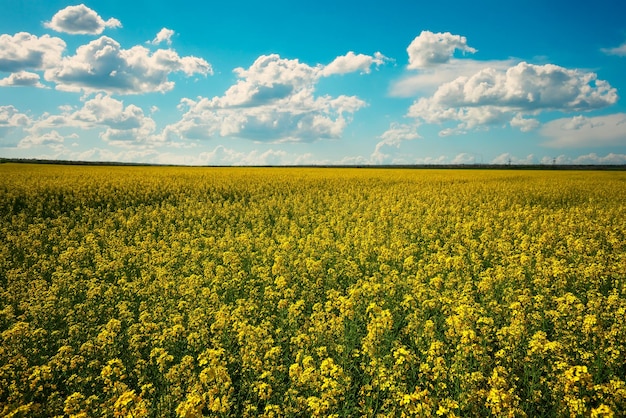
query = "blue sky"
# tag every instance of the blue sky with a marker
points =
(329, 82)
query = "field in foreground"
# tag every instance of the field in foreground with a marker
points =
(154, 291)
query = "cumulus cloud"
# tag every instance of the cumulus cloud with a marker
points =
(429, 111)
(430, 49)
(24, 51)
(273, 100)
(524, 124)
(164, 35)
(51, 139)
(507, 158)
(144, 155)
(124, 125)
(22, 79)
(269, 79)
(104, 109)
(276, 121)
(475, 95)
(490, 96)
(464, 158)
(618, 50)
(427, 80)
(442, 159)
(120, 125)
(379, 156)
(397, 133)
(11, 118)
(432, 63)
(352, 62)
(393, 137)
(582, 131)
(223, 156)
(80, 20)
(102, 65)
(592, 159)
(529, 87)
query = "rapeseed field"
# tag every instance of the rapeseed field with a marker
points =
(284, 292)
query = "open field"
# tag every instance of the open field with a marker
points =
(168, 291)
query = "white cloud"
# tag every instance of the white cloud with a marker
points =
(273, 100)
(52, 139)
(442, 159)
(108, 111)
(118, 124)
(352, 62)
(164, 35)
(80, 20)
(618, 50)
(222, 156)
(393, 137)
(470, 118)
(581, 131)
(561, 159)
(490, 96)
(349, 160)
(269, 79)
(587, 159)
(524, 124)
(432, 54)
(508, 158)
(102, 65)
(594, 158)
(478, 94)
(379, 156)
(24, 51)
(427, 80)
(429, 49)
(22, 79)
(398, 133)
(11, 118)
(464, 158)
(529, 87)
(125, 125)
(108, 155)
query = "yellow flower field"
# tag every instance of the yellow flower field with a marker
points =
(167, 291)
